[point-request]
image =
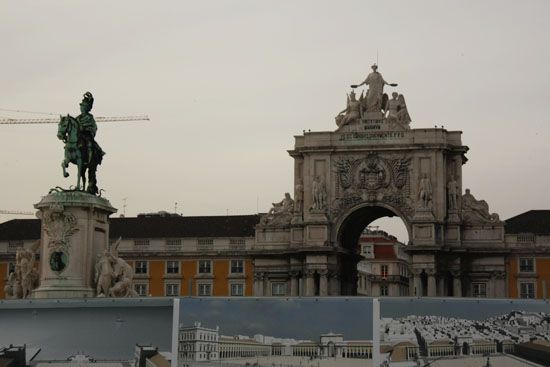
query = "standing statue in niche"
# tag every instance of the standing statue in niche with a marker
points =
(319, 193)
(425, 192)
(351, 113)
(299, 197)
(452, 193)
(375, 93)
(81, 149)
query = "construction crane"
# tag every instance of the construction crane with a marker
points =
(18, 212)
(10, 121)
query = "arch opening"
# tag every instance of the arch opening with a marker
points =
(372, 261)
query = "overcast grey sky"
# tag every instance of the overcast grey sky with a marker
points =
(227, 85)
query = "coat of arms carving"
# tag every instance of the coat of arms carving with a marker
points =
(372, 178)
(59, 225)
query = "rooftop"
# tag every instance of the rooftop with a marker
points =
(532, 221)
(149, 227)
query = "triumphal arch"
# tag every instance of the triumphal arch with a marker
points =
(375, 164)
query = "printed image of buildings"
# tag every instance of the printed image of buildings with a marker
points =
(523, 335)
(200, 345)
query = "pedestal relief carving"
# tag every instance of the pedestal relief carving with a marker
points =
(60, 226)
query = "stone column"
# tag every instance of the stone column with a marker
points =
(294, 283)
(432, 291)
(457, 283)
(310, 283)
(265, 282)
(334, 284)
(417, 283)
(323, 283)
(441, 287)
(259, 284)
(500, 284)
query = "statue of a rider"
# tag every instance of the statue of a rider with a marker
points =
(80, 145)
(87, 125)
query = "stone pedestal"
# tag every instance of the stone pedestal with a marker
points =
(74, 231)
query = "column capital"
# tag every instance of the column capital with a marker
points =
(294, 273)
(456, 273)
(430, 272)
(322, 272)
(310, 272)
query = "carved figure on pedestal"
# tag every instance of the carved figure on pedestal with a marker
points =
(28, 275)
(12, 289)
(319, 194)
(299, 197)
(452, 193)
(280, 213)
(425, 192)
(114, 277)
(476, 210)
(351, 113)
(282, 207)
(396, 111)
(124, 275)
(375, 93)
(24, 279)
(104, 274)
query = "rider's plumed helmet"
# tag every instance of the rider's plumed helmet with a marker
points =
(87, 101)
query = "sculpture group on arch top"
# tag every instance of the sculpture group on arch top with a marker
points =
(372, 178)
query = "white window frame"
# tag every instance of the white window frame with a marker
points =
(276, 284)
(527, 271)
(479, 294)
(146, 267)
(231, 285)
(231, 266)
(146, 285)
(387, 288)
(173, 261)
(382, 270)
(203, 294)
(534, 289)
(199, 267)
(178, 288)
